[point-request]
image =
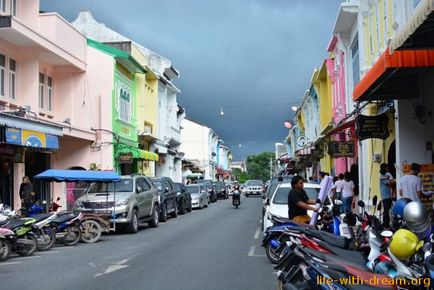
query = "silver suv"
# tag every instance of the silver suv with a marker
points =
(131, 200)
(253, 187)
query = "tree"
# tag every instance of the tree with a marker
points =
(258, 166)
(240, 176)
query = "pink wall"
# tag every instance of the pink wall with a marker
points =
(336, 70)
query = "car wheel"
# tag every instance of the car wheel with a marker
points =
(163, 214)
(247, 195)
(175, 210)
(133, 226)
(153, 223)
(182, 207)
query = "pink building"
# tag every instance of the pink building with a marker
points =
(344, 131)
(48, 109)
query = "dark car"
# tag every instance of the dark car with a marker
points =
(220, 189)
(166, 196)
(183, 198)
(209, 187)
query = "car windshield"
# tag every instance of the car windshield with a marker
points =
(193, 189)
(254, 183)
(275, 181)
(281, 196)
(125, 185)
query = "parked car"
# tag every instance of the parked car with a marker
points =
(135, 197)
(253, 187)
(277, 205)
(167, 197)
(183, 198)
(208, 184)
(220, 189)
(199, 195)
(274, 182)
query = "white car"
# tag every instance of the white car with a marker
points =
(277, 205)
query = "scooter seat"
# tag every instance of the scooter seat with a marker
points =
(41, 217)
(14, 224)
(338, 241)
(64, 218)
(347, 255)
(338, 259)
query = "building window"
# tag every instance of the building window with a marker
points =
(14, 7)
(49, 93)
(2, 74)
(125, 105)
(41, 91)
(355, 59)
(12, 79)
(3, 6)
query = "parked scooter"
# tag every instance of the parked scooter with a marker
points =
(236, 198)
(68, 228)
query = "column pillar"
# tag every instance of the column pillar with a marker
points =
(19, 172)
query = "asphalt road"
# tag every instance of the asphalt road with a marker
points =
(214, 248)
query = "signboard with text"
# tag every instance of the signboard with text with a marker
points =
(368, 127)
(339, 149)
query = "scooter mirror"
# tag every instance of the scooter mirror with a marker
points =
(386, 234)
(374, 201)
(339, 202)
(361, 203)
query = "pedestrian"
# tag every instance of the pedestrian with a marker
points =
(333, 189)
(27, 193)
(410, 185)
(298, 201)
(347, 192)
(386, 195)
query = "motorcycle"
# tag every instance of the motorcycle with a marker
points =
(236, 198)
(68, 228)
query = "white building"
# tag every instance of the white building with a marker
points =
(200, 143)
(169, 113)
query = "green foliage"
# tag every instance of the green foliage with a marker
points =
(258, 166)
(240, 176)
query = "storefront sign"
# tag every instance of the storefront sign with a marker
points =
(29, 138)
(126, 158)
(316, 153)
(368, 127)
(339, 149)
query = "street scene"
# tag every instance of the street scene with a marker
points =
(231, 144)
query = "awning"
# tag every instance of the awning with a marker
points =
(393, 75)
(78, 175)
(417, 33)
(29, 138)
(341, 127)
(161, 149)
(137, 153)
(12, 121)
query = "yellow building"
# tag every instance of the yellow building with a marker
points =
(323, 87)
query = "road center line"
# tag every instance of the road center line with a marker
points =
(258, 231)
(251, 251)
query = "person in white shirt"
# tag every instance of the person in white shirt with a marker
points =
(410, 185)
(347, 186)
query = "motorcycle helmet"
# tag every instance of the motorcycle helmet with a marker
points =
(404, 244)
(417, 220)
(398, 208)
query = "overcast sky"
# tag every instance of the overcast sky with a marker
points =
(251, 58)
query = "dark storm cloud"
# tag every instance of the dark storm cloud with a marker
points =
(232, 54)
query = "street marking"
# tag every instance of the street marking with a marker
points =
(116, 266)
(258, 231)
(251, 251)
(9, 263)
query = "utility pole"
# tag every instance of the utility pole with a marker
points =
(271, 167)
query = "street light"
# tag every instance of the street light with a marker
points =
(294, 108)
(221, 112)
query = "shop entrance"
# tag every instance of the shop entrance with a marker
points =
(391, 159)
(35, 163)
(6, 181)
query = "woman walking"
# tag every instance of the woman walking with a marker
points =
(347, 187)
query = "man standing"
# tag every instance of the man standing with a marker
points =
(410, 185)
(27, 194)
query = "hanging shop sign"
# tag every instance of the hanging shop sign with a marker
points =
(126, 158)
(317, 153)
(368, 127)
(29, 138)
(339, 149)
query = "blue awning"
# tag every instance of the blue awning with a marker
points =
(59, 175)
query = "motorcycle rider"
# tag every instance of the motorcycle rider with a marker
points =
(236, 195)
